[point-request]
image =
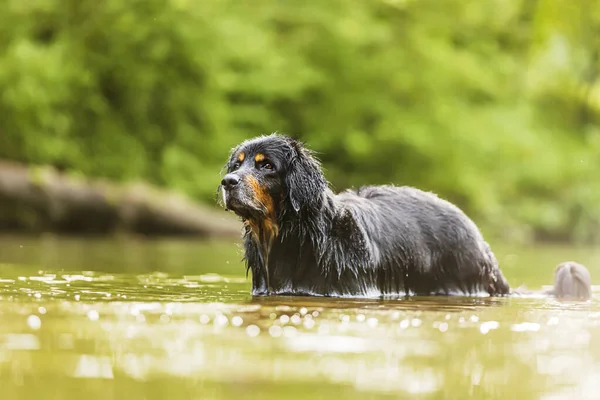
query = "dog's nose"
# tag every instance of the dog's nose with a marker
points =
(230, 180)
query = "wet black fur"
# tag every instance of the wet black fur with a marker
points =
(371, 242)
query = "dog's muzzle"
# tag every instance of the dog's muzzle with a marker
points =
(228, 183)
(235, 195)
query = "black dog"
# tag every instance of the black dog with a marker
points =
(302, 239)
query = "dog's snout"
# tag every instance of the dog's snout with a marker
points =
(230, 180)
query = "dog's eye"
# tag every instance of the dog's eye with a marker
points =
(267, 165)
(235, 166)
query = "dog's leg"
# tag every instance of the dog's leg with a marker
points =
(264, 261)
(265, 248)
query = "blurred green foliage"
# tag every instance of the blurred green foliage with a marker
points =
(494, 104)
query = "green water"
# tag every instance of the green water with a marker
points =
(134, 319)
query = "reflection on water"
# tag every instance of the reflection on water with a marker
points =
(196, 333)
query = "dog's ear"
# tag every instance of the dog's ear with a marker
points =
(304, 180)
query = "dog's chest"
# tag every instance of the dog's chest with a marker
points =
(294, 267)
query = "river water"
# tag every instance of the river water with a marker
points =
(155, 319)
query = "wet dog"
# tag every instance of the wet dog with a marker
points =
(300, 238)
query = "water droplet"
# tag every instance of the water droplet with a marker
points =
(309, 323)
(252, 330)
(275, 331)
(443, 327)
(42, 310)
(37, 295)
(525, 326)
(485, 327)
(345, 318)
(474, 318)
(34, 322)
(404, 324)
(303, 311)
(416, 322)
(372, 322)
(93, 315)
(360, 317)
(237, 321)
(77, 297)
(204, 319)
(296, 319)
(315, 313)
(284, 319)
(221, 320)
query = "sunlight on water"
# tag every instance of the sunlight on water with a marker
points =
(168, 335)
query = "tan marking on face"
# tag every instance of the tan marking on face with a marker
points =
(253, 228)
(265, 230)
(241, 156)
(262, 196)
(259, 157)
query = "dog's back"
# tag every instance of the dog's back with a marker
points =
(437, 246)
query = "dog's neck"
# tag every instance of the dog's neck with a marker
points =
(309, 244)
(310, 218)
(304, 227)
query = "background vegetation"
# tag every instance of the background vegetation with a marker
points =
(494, 104)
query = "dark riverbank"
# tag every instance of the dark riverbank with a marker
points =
(37, 200)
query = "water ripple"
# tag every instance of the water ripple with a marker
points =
(139, 328)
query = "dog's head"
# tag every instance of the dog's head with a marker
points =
(270, 174)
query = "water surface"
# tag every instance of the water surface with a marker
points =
(114, 319)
